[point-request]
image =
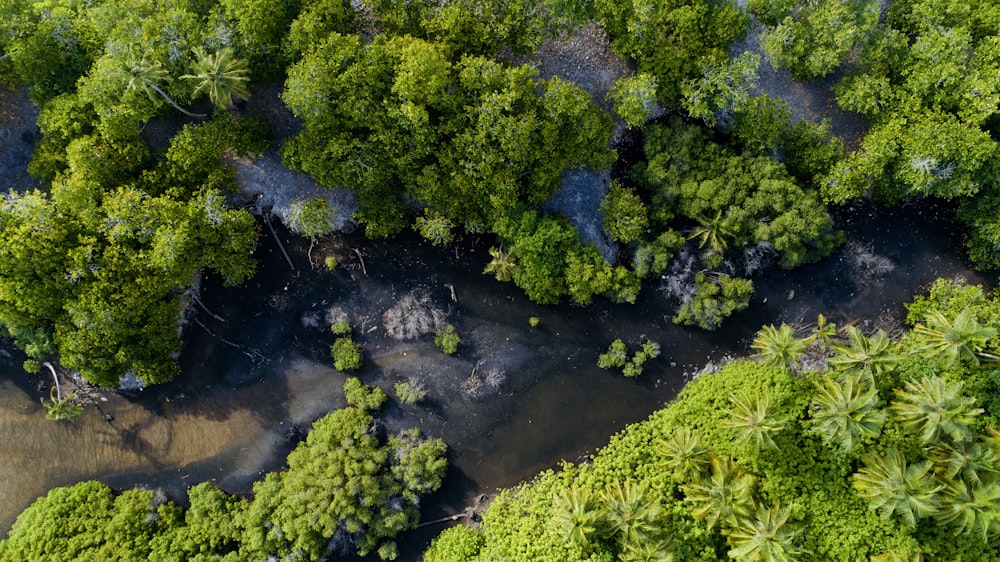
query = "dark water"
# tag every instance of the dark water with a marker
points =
(262, 371)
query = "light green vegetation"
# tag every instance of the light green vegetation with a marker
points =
(616, 357)
(447, 340)
(344, 488)
(888, 452)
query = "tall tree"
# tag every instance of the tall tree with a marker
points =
(845, 410)
(961, 339)
(863, 354)
(779, 346)
(221, 75)
(765, 536)
(725, 496)
(893, 487)
(933, 408)
(756, 419)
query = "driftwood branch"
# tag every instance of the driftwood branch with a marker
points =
(194, 297)
(362, 260)
(55, 378)
(452, 289)
(267, 219)
(444, 520)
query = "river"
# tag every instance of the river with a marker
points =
(256, 368)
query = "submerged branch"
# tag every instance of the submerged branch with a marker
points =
(267, 219)
(362, 260)
(55, 378)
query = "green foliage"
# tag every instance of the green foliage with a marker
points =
(933, 408)
(347, 355)
(761, 122)
(61, 408)
(343, 487)
(810, 151)
(547, 260)
(846, 411)
(652, 257)
(894, 487)
(221, 76)
(779, 346)
(853, 479)
(624, 213)
(330, 262)
(447, 340)
(369, 399)
(767, 535)
(615, 357)
(467, 140)
(341, 328)
(722, 89)
(716, 297)
(502, 265)
(754, 420)
(671, 40)
(85, 522)
(342, 478)
(534, 321)
(312, 218)
(736, 201)
(143, 250)
(408, 393)
(437, 229)
(634, 98)
(925, 82)
(813, 39)
(455, 544)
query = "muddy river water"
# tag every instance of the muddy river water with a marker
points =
(257, 370)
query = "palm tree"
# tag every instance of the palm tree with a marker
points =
(681, 454)
(974, 510)
(779, 346)
(146, 77)
(650, 550)
(932, 407)
(712, 232)
(726, 495)
(502, 266)
(965, 460)
(846, 411)
(630, 514)
(755, 420)
(963, 338)
(766, 537)
(221, 76)
(864, 354)
(576, 516)
(893, 487)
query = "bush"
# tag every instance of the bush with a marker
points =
(409, 393)
(447, 339)
(346, 354)
(362, 396)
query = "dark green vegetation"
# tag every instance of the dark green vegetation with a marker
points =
(346, 489)
(879, 449)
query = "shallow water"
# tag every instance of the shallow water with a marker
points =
(253, 378)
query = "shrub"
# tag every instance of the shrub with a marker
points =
(447, 340)
(346, 354)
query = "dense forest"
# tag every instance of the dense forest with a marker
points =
(423, 110)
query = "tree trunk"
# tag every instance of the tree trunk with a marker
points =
(173, 103)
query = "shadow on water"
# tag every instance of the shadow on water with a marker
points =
(256, 365)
